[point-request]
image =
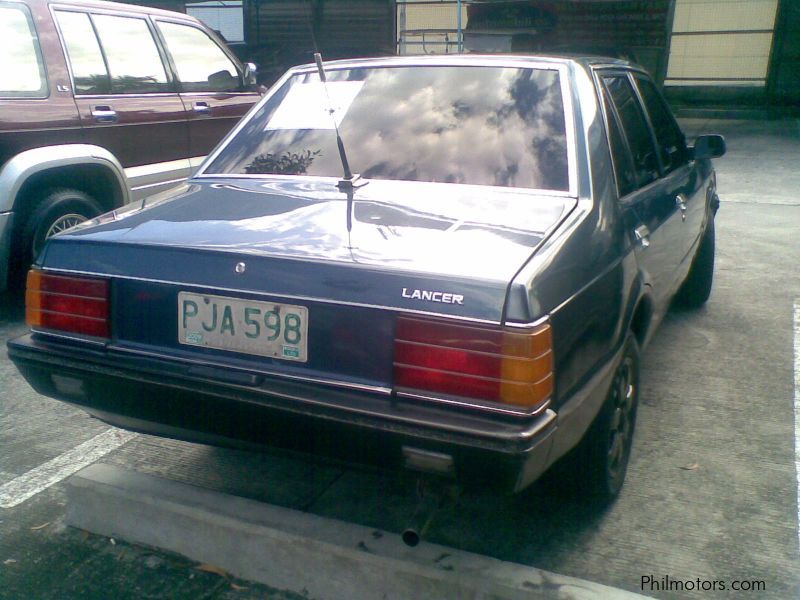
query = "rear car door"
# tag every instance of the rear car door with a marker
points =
(211, 82)
(127, 100)
(34, 112)
(647, 200)
(681, 179)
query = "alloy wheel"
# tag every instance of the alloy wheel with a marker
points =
(620, 432)
(64, 222)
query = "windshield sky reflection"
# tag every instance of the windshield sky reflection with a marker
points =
(451, 124)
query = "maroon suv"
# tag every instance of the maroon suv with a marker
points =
(102, 103)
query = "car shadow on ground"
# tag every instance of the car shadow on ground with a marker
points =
(12, 306)
(532, 527)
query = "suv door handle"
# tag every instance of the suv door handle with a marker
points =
(680, 200)
(104, 114)
(202, 108)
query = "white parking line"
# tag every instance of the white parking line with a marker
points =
(42, 477)
(797, 406)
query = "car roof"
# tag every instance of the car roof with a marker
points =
(585, 61)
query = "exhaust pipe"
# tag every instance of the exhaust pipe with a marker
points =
(427, 508)
(432, 498)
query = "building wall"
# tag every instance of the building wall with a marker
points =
(284, 33)
(635, 29)
(705, 51)
(723, 52)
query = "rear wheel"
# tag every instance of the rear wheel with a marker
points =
(696, 289)
(597, 466)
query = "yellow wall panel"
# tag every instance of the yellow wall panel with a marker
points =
(433, 16)
(705, 58)
(741, 55)
(724, 15)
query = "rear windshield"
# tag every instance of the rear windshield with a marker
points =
(473, 125)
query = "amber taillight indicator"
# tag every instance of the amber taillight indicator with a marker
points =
(67, 304)
(499, 365)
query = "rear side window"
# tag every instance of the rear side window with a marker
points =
(623, 166)
(22, 73)
(133, 60)
(671, 142)
(89, 73)
(201, 64)
(635, 128)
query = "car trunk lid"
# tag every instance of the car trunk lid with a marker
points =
(306, 239)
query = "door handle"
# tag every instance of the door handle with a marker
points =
(680, 200)
(104, 114)
(642, 235)
(202, 108)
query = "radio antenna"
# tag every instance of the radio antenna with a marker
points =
(346, 183)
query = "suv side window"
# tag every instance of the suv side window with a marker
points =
(635, 128)
(134, 63)
(201, 64)
(89, 73)
(22, 73)
(671, 142)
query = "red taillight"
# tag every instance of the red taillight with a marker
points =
(510, 366)
(65, 303)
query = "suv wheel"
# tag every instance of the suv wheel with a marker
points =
(58, 210)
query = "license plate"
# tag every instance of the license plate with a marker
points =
(236, 325)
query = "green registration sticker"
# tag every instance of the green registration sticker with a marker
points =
(291, 352)
(194, 337)
(240, 325)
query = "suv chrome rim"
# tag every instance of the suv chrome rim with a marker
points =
(64, 222)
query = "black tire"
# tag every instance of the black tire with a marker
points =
(696, 288)
(596, 468)
(58, 209)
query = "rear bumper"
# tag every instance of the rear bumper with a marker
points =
(171, 398)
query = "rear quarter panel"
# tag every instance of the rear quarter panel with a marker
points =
(585, 276)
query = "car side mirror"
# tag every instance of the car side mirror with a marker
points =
(250, 75)
(709, 146)
(222, 81)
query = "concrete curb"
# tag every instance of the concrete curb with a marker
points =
(291, 550)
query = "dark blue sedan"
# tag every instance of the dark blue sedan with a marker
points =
(447, 264)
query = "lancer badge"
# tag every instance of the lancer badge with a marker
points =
(433, 296)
